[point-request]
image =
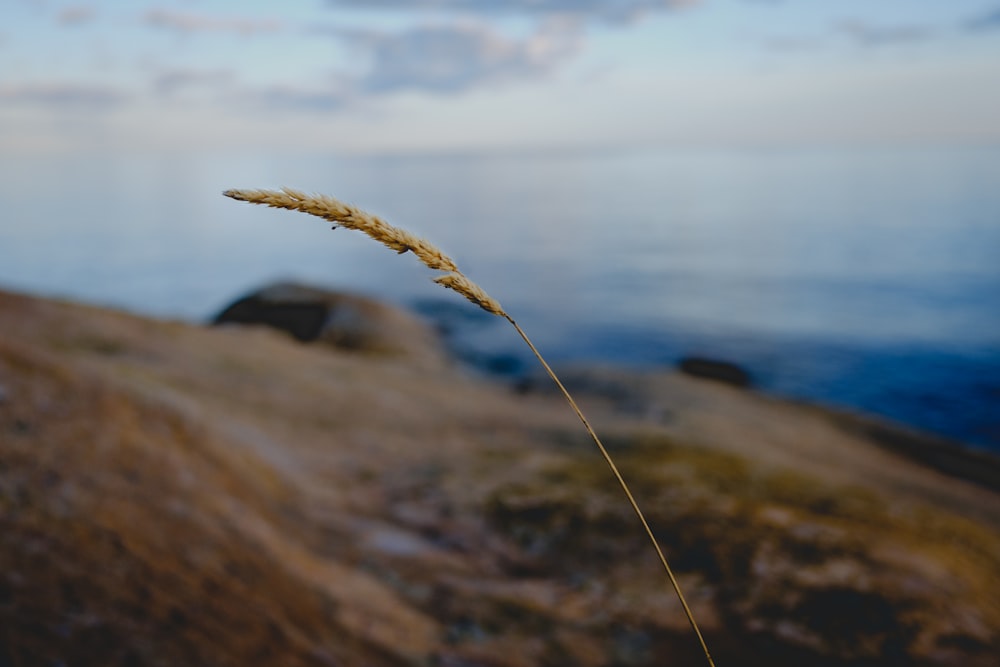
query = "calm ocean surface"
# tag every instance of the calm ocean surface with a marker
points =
(867, 279)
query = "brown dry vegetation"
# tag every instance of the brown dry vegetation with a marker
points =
(171, 494)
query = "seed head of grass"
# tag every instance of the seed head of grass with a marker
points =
(471, 291)
(351, 217)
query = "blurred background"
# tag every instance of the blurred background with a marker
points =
(808, 189)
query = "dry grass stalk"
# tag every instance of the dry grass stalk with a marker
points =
(471, 291)
(348, 216)
(339, 213)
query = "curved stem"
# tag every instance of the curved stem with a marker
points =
(624, 486)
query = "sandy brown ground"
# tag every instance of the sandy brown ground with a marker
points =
(171, 494)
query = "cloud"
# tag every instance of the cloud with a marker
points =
(860, 32)
(989, 21)
(457, 57)
(463, 52)
(792, 43)
(287, 97)
(612, 11)
(191, 23)
(61, 95)
(76, 15)
(440, 59)
(868, 35)
(168, 82)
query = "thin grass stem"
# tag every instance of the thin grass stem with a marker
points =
(624, 486)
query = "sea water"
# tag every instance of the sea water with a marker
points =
(865, 278)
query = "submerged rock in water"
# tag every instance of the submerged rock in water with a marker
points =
(345, 321)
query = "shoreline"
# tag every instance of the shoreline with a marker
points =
(940, 454)
(973, 461)
(944, 455)
(944, 392)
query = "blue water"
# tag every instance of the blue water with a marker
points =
(862, 278)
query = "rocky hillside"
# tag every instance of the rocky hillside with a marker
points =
(179, 495)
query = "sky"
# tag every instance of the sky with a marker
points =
(412, 76)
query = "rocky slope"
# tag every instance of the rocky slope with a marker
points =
(171, 494)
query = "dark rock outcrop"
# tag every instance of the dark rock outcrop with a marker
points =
(714, 369)
(345, 321)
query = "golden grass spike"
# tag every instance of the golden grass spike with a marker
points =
(345, 215)
(471, 291)
(335, 211)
